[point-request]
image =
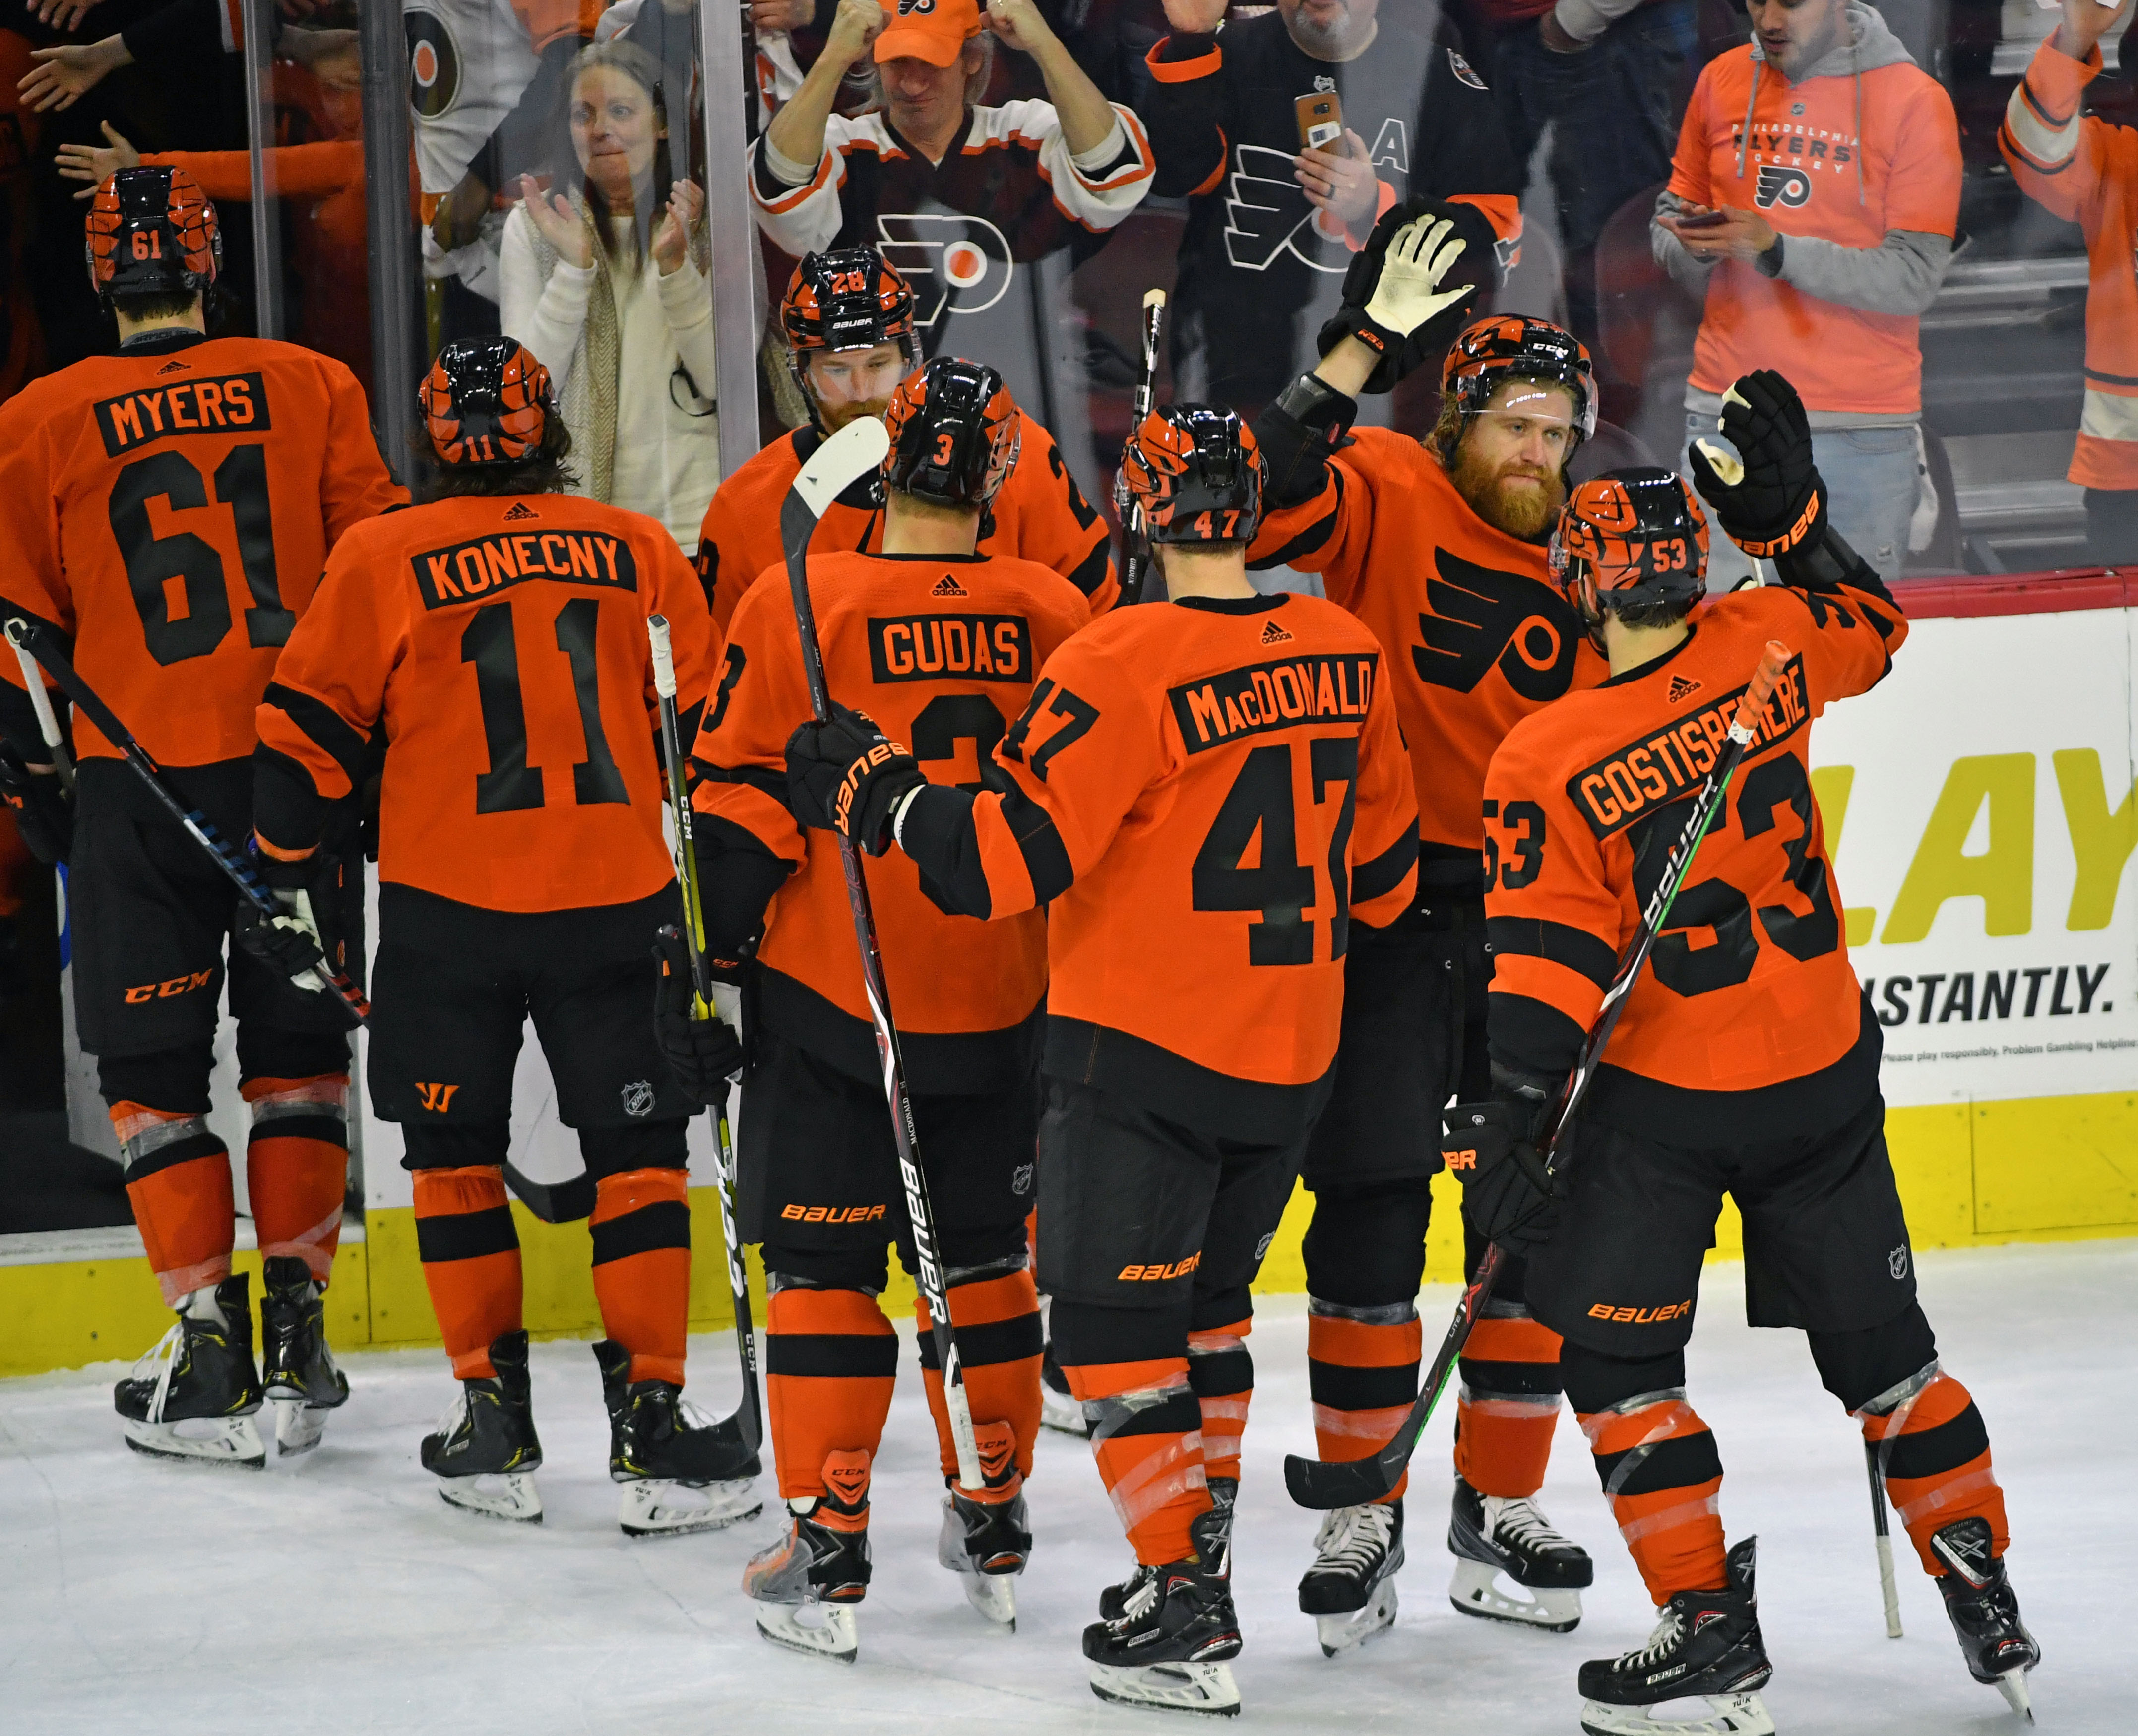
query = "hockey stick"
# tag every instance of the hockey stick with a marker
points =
(1323, 1484)
(852, 452)
(1886, 1587)
(745, 1428)
(48, 725)
(27, 635)
(1135, 536)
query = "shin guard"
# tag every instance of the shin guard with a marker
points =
(1935, 1452)
(996, 1314)
(1362, 1367)
(470, 1254)
(1509, 1402)
(641, 1268)
(1147, 1437)
(296, 1167)
(831, 1360)
(178, 1178)
(1221, 1372)
(1660, 1471)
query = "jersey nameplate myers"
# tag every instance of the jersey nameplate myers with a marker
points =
(485, 565)
(932, 647)
(234, 402)
(1263, 697)
(1669, 763)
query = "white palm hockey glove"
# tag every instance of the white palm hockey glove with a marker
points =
(290, 942)
(1397, 287)
(1409, 293)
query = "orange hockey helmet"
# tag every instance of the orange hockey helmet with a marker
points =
(852, 298)
(1513, 346)
(956, 433)
(1630, 538)
(486, 401)
(152, 232)
(1196, 472)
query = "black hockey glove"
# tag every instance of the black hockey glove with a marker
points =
(1769, 498)
(847, 776)
(703, 1054)
(1408, 291)
(1492, 1148)
(43, 810)
(291, 943)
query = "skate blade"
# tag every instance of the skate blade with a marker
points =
(219, 1440)
(499, 1495)
(836, 1637)
(1475, 1590)
(1059, 1411)
(657, 1507)
(1206, 1688)
(1727, 1715)
(2013, 1685)
(1355, 1627)
(299, 1427)
(993, 1595)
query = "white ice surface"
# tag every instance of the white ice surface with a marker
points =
(337, 1594)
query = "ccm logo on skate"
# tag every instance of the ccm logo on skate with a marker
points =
(436, 1098)
(1155, 1274)
(164, 991)
(1641, 1316)
(831, 1214)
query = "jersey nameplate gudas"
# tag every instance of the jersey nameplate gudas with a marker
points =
(218, 406)
(935, 647)
(1261, 697)
(1667, 764)
(483, 566)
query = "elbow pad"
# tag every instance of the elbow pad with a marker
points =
(1297, 435)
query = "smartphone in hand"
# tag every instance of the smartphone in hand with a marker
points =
(1703, 220)
(1321, 118)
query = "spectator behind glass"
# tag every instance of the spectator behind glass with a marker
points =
(1273, 227)
(607, 286)
(1813, 200)
(2086, 171)
(1607, 72)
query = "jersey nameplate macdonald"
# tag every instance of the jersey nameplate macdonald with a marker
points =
(1261, 697)
(1667, 764)
(932, 647)
(230, 402)
(485, 565)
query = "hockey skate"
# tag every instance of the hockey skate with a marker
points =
(1224, 1492)
(1985, 1613)
(1350, 1590)
(1168, 1650)
(194, 1395)
(297, 1369)
(822, 1562)
(986, 1542)
(679, 1473)
(486, 1452)
(1058, 1408)
(1707, 1643)
(1488, 1537)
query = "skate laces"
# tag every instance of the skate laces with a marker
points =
(449, 1423)
(1142, 1598)
(1353, 1538)
(164, 1354)
(1660, 1643)
(1521, 1520)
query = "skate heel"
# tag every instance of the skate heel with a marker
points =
(494, 1494)
(194, 1396)
(1355, 1627)
(1350, 1590)
(808, 1584)
(682, 1471)
(484, 1451)
(1206, 1688)
(1475, 1589)
(831, 1633)
(986, 1542)
(299, 1427)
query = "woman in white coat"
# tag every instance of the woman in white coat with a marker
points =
(606, 283)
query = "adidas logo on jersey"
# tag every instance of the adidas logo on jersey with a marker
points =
(520, 510)
(1272, 634)
(947, 586)
(1679, 689)
(174, 367)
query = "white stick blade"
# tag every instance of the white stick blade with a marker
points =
(857, 449)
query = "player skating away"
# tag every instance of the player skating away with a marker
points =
(498, 630)
(848, 317)
(1745, 1062)
(943, 644)
(1211, 798)
(1440, 549)
(167, 510)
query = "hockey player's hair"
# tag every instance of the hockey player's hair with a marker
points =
(866, 79)
(161, 304)
(1642, 616)
(543, 472)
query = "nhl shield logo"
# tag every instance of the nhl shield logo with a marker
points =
(1896, 1262)
(1263, 1246)
(1020, 1183)
(638, 1098)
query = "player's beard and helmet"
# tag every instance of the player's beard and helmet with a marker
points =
(152, 242)
(848, 300)
(955, 434)
(489, 423)
(1631, 543)
(1198, 475)
(1487, 355)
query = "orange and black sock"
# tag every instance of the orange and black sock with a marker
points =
(1935, 1451)
(177, 1178)
(1509, 1403)
(296, 1167)
(470, 1256)
(1221, 1372)
(641, 1268)
(831, 1360)
(1362, 1374)
(995, 1313)
(1658, 1463)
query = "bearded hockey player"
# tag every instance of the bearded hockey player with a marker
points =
(944, 644)
(1746, 1062)
(165, 511)
(1193, 1000)
(1440, 549)
(848, 321)
(523, 873)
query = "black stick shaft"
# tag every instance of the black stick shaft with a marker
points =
(1135, 545)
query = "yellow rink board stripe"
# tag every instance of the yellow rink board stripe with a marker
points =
(2040, 1169)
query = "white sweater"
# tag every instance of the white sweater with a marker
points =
(667, 460)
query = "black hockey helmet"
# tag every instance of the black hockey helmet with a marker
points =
(851, 298)
(486, 401)
(956, 433)
(1630, 537)
(1196, 472)
(152, 232)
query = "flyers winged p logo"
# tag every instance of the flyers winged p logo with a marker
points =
(1480, 617)
(1781, 185)
(957, 264)
(1267, 215)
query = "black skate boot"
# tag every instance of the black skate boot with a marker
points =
(659, 1446)
(822, 1561)
(1168, 1649)
(297, 1367)
(987, 1542)
(1489, 1536)
(1707, 1643)
(1224, 1492)
(194, 1396)
(486, 1452)
(1350, 1590)
(1058, 1407)
(1984, 1612)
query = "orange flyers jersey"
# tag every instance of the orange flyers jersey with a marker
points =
(501, 640)
(1476, 634)
(1747, 1014)
(170, 509)
(942, 652)
(1208, 793)
(1040, 515)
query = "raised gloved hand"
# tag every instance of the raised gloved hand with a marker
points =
(1769, 495)
(1397, 285)
(43, 810)
(1492, 1148)
(292, 942)
(703, 1054)
(845, 775)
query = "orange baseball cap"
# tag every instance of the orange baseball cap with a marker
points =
(934, 31)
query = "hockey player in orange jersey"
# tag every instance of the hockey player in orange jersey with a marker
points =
(944, 644)
(848, 317)
(1439, 548)
(499, 632)
(1745, 1060)
(1194, 1001)
(167, 511)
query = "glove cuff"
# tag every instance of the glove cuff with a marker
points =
(1353, 321)
(1826, 563)
(1808, 528)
